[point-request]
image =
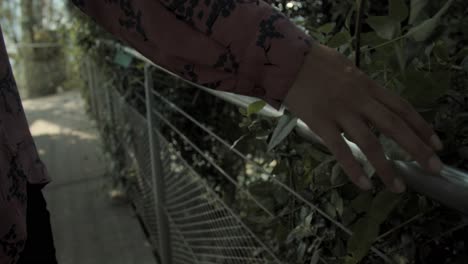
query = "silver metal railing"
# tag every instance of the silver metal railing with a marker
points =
(449, 188)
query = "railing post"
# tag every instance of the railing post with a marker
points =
(89, 72)
(110, 104)
(157, 175)
(97, 89)
(94, 95)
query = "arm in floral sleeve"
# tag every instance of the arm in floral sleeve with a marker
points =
(241, 46)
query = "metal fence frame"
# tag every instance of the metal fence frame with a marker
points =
(172, 236)
(174, 233)
(450, 187)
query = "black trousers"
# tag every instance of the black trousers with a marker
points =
(39, 248)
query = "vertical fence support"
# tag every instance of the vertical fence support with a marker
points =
(157, 175)
(93, 83)
(97, 92)
(89, 72)
(110, 105)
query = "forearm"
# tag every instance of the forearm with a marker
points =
(246, 48)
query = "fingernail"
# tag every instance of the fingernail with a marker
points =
(398, 185)
(435, 165)
(436, 143)
(365, 183)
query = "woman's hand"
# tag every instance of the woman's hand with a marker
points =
(331, 95)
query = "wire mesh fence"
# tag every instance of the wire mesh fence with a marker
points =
(202, 228)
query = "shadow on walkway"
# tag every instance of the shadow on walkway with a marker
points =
(88, 227)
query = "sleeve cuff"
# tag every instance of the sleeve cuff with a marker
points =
(275, 57)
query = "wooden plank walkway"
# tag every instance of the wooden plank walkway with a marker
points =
(88, 227)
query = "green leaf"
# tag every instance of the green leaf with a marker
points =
(262, 134)
(321, 174)
(401, 56)
(308, 163)
(423, 204)
(242, 111)
(327, 28)
(424, 30)
(417, 50)
(261, 188)
(349, 17)
(464, 64)
(462, 53)
(281, 169)
(398, 10)
(281, 232)
(281, 196)
(308, 219)
(339, 249)
(316, 154)
(304, 213)
(411, 207)
(338, 177)
(301, 251)
(441, 50)
(371, 39)
(300, 232)
(382, 57)
(422, 89)
(255, 107)
(339, 39)
(417, 7)
(337, 201)
(123, 59)
(362, 202)
(285, 125)
(384, 26)
(382, 205)
(330, 210)
(365, 231)
(245, 122)
(305, 181)
(315, 257)
(348, 216)
(318, 36)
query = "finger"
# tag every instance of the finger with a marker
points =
(404, 109)
(370, 146)
(397, 129)
(335, 143)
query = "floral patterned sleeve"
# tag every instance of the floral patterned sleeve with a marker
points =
(240, 46)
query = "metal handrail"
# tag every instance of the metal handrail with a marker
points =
(449, 188)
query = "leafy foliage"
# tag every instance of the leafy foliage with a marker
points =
(416, 48)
